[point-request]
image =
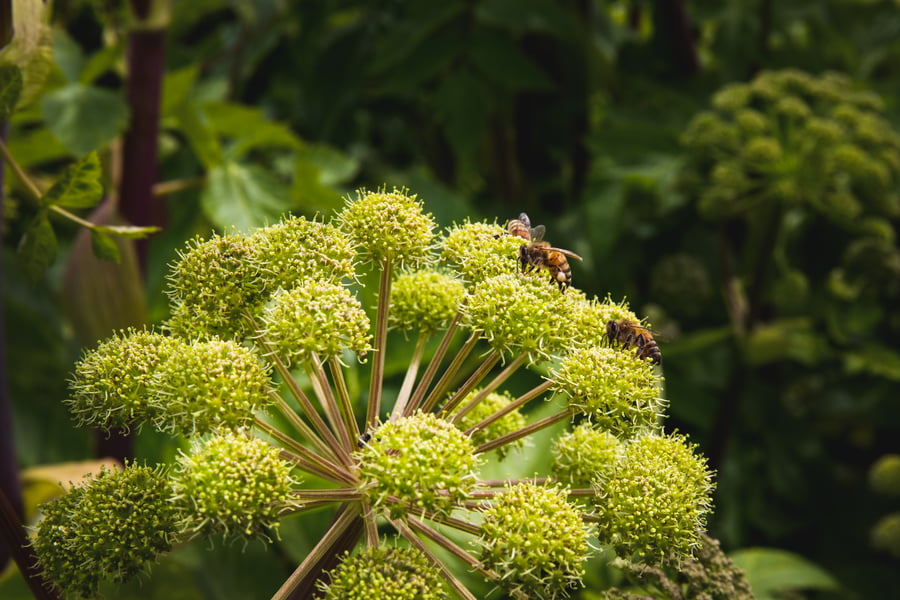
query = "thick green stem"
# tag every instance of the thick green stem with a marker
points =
(410, 378)
(496, 382)
(433, 366)
(525, 431)
(443, 383)
(449, 577)
(381, 319)
(521, 400)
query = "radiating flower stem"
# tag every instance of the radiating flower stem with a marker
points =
(525, 431)
(381, 318)
(433, 366)
(341, 524)
(496, 382)
(449, 577)
(291, 415)
(371, 527)
(472, 382)
(520, 401)
(321, 465)
(410, 378)
(336, 495)
(343, 396)
(443, 383)
(319, 381)
(436, 536)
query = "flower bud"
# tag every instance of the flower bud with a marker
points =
(233, 484)
(422, 461)
(535, 540)
(478, 251)
(424, 300)
(385, 573)
(584, 455)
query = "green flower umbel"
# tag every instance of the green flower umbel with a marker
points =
(424, 300)
(109, 529)
(536, 542)
(653, 504)
(233, 484)
(385, 573)
(584, 454)
(419, 462)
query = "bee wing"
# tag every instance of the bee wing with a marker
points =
(537, 232)
(568, 253)
(525, 220)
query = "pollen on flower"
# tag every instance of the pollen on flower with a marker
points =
(424, 300)
(584, 455)
(478, 251)
(385, 573)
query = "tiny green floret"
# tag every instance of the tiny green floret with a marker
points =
(315, 316)
(419, 461)
(216, 383)
(110, 386)
(584, 455)
(212, 284)
(518, 314)
(536, 541)
(389, 226)
(508, 423)
(653, 504)
(424, 300)
(233, 484)
(296, 249)
(478, 251)
(615, 390)
(108, 529)
(385, 573)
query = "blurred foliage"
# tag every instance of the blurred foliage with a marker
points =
(777, 318)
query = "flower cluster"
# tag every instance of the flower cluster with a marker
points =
(253, 369)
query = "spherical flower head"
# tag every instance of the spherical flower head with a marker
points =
(584, 455)
(297, 249)
(424, 300)
(110, 386)
(615, 390)
(315, 316)
(109, 529)
(478, 251)
(535, 540)
(389, 226)
(508, 423)
(210, 384)
(884, 476)
(518, 314)
(385, 573)
(586, 320)
(885, 535)
(420, 462)
(654, 502)
(233, 484)
(214, 282)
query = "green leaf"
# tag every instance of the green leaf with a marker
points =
(249, 127)
(100, 62)
(335, 167)
(243, 196)
(309, 193)
(104, 246)
(37, 249)
(10, 90)
(84, 118)
(500, 60)
(524, 16)
(770, 570)
(68, 55)
(79, 185)
(132, 232)
(200, 134)
(176, 86)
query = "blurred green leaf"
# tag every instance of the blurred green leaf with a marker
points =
(176, 86)
(101, 62)
(10, 90)
(249, 127)
(874, 359)
(308, 192)
(771, 570)
(67, 55)
(335, 167)
(523, 16)
(37, 146)
(84, 118)
(37, 249)
(132, 232)
(104, 246)
(243, 196)
(31, 47)
(200, 134)
(79, 185)
(461, 110)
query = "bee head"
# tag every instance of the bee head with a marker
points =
(612, 330)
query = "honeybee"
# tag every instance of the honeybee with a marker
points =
(634, 335)
(537, 254)
(522, 228)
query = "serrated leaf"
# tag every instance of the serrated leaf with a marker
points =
(771, 570)
(104, 246)
(243, 196)
(79, 185)
(84, 118)
(10, 90)
(132, 232)
(37, 249)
